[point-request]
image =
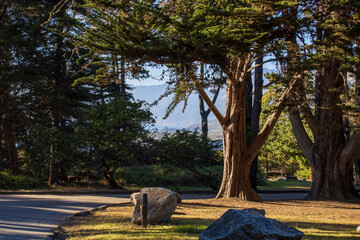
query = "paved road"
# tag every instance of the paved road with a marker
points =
(35, 216)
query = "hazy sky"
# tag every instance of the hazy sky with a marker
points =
(156, 74)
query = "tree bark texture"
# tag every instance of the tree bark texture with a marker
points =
(236, 181)
(330, 167)
(330, 157)
(357, 171)
(238, 155)
(255, 114)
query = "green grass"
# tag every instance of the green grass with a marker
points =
(317, 219)
(286, 185)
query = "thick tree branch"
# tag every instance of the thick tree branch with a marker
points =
(206, 98)
(246, 66)
(352, 149)
(217, 91)
(228, 106)
(310, 119)
(264, 133)
(257, 65)
(301, 135)
(305, 110)
(231, 77)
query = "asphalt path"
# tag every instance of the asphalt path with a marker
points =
(35, 216)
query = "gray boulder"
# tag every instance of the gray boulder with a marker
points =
(134, 197)
(248, 225)
(161, 205)
(178, 197)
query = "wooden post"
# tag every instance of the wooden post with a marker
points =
(144, 211)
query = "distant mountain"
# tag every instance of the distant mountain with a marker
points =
(178, 119)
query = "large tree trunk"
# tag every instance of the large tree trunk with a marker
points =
(357, 171)
(330, 159)
(11, 146)
(331, 171)
(53, 173)
(255, 114)
(331, 180)
(238, 155)
(236, 181)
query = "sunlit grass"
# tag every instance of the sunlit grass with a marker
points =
(317, 219)
(286, 185)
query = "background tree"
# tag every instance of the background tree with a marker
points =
(114, 133)
(253, 95)
(281, 151)
(204, 114)
(13, 56)
(330, 157)
(357, 102)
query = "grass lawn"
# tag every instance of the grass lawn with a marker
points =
(317, 219)
(286, 185)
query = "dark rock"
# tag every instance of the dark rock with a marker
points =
(245, 225)
(178, 197)
(259, 211)
(161, 205)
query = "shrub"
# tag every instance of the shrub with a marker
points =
(188, 150)
(12, 182)
(156, 175)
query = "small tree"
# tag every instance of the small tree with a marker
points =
(114, 133)
(189, 150)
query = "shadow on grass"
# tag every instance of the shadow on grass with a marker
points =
(202, 205)
(325, 230)
(185, 227)
(178, 227)
(193, 227)
(324, 226)
(312, 203)
(328, 237)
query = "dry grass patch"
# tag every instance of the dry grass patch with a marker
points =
(317, 219)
